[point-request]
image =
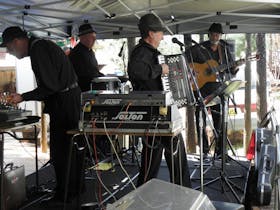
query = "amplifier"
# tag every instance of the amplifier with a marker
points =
(135, 98)
(138, 118)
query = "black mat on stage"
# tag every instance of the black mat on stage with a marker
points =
(229, 185)
(117, 183)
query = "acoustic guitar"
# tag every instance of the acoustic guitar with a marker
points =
(207, 72)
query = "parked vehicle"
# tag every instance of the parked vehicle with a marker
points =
(237, 101)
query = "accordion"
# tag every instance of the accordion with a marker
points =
(177, 81)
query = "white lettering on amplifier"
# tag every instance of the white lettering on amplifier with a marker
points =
(130, 116)
(112, 101)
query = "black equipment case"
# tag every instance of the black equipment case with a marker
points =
(266, 173)
(263, 136)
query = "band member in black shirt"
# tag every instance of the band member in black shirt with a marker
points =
(86, 67)
(214, 51)
(83, 58)
(145, 75)
(57, 87)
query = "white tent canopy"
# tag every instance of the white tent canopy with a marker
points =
(119, 18)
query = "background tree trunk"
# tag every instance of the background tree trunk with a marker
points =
(247, 114)
(191, 136)
(261, 79)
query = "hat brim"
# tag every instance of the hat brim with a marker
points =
(215, 31)
(86, 32)
(156, 29)
(219, 32)
(3, 44)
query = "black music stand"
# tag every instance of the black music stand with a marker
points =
(230, 86)
(215, 98)
(202, 104)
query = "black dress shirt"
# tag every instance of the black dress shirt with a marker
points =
(85, 65)
(52, 68)
(144, 71)
(204, 53)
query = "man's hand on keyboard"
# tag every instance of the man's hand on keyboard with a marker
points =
(15, 98)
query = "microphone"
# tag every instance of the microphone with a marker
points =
(193, 41)
(196, 43)
(121, 50)
(176, 41)
(225, 43)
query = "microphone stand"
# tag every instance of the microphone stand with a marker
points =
(121, 55)
(229, 77)
(227, 59)
(202, 108)
(197, 88)
(124, 65)
(200, 103)
(181, 48)
(224, 44)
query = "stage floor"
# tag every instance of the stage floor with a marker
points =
(228, 185)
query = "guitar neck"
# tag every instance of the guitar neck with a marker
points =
(223, 67)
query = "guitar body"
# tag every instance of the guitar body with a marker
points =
(203, 72)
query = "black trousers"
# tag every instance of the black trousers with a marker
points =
(64, 110)
(208, 89)
(152, 155)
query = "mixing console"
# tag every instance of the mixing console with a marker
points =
(12, 113)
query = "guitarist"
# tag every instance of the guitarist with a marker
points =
(215, 50)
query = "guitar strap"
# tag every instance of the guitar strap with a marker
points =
(219, 75)
(220, 54)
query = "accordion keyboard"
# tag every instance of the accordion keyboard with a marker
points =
(177, 80)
